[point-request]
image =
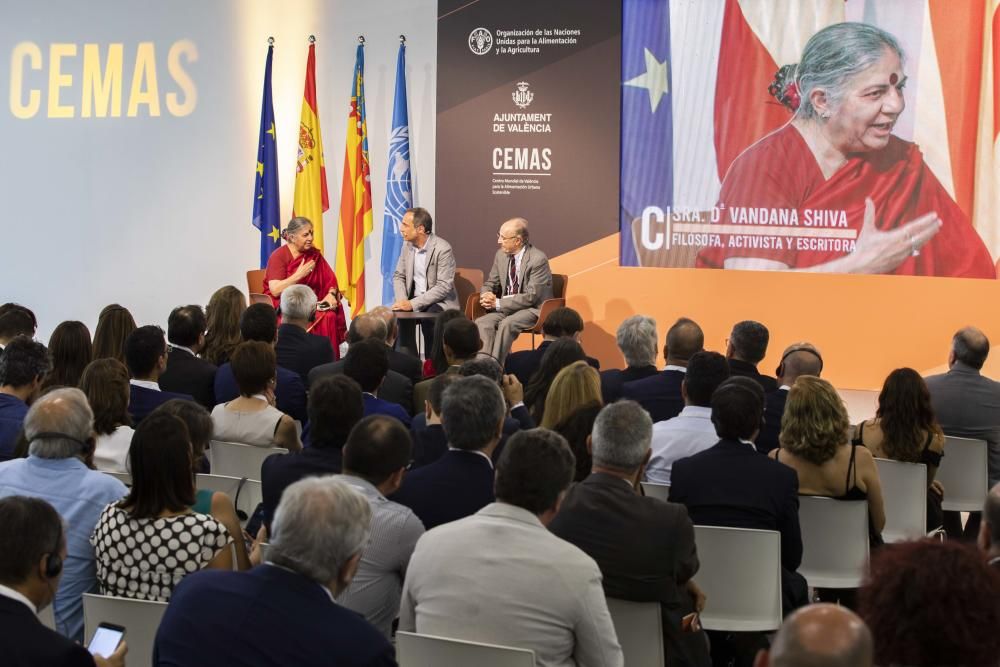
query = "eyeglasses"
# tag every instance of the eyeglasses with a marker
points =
(501, 237)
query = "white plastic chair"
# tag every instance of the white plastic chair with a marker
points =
(654, 490)
(834, 541)
(238, 460)
(415, 650)
(963, 474)
(123, 477)
(140, 618)
(740, 575)
(904, 493)
(47, 617)
(639, 627)
(246, 494)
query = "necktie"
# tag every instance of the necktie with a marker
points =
(512, 286)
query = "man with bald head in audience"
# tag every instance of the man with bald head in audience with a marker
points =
(989, 529)
(401, 362)
(661, 393)
(797, 359)
(820, 635)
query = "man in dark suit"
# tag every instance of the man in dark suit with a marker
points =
(660, 394)
(460, 339)
(460, 483)
(560, 323)
(34, 551)
(429, 441)
(401, 362)
(518, 418)
(23, 366)
(282, 612)
(186, 373)
(259, 322)
(297, 349)
(636, 338)
(746, 348)
(146, 358)
(367, 364)
(335, 406)
(798, 359)
(657, 568)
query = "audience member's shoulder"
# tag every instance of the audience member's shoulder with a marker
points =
(108, 486)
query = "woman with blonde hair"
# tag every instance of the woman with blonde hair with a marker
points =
(114, 325)
(223, 314)
(573, 387)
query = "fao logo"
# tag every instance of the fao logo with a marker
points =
(480, 41)
(522, 96)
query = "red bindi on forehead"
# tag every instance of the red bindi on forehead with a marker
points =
(893, 79)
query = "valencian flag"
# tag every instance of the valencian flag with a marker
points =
(311, 197)
(355, 196)
(398, 195)
(266, 202)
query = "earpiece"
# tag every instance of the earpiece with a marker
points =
(53, 561)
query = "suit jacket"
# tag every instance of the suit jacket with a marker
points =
(523, 364)
(267, 617)
(660, 394)
(534, 281)
(301, 351)
(406, 365)
(457, 485)
(395, 388)
(289, 393)
(746, 369)
(422, 389)
(440, 275)
(142, 401)
(613, 380)
(279, 471)
(429, 442)
(378, 406)
(187, 374)
(767, 439)
(25, 642)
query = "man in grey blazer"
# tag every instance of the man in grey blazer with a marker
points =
(425, 276)
(519, 282)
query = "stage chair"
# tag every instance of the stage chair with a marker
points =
(834, 541)
(468, 282)
(245, 493)
(904, 492)
(740, 574)
(560, 284)
(963, 473)
(640, 631)
(415, 650)
(654, 490)
(255, 286)
(123, 477)
(140, 618)
(237, 460)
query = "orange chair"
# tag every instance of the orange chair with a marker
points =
(255, 286)
(560, 283)
(468, 283)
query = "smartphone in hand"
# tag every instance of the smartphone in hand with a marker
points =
(106, 639)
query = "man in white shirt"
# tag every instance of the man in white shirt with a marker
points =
(692, 430)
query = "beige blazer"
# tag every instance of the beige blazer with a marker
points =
(440, 275)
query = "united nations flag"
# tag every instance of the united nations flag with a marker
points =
(398, 195)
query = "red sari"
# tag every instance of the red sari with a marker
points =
(281, 265)
(779, 172)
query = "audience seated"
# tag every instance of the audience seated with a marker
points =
(636, 338)
(367, 363)
(222, 335)
(31, 566)
(747, 347)
(989, 529)
(252, 418)
(558, 355)
(282, 612)
(297, 349)
(517, 417)
(435, 362)
(573, 387)
(60, 427)
(691, 431)
(656, 568)
(106, 384)
(460, 483)
(23, 366)
(460, 342)
(186, 372)
(335, 406)
(401, 362)
(529, 589)
(114, 325)
(146, 358)
(797, 359)
(820, 635)
(932, 603)
(429, 441)
(157, 512)
(16, 320)
(576, 428)
(376, 457)
(660, 394)
(560, 323)
(71, 350)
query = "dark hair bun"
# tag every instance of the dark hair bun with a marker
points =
(785, 89)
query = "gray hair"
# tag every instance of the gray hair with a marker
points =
(637, 339)
(471, 412)
(622, 434)
(320, 524)
(294, 225)
(836, 54)
(387, 315)
(486, 366)
(63, 411)
(298, 302)
(520, 228)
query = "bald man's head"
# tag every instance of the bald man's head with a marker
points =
(367, 326)
(970, 346)
(820, 635)
(389, 317)
(684, 339)
(799, 359)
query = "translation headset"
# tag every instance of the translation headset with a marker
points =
(277, 313)
(85, 445)
(780, 370)
(54, 562)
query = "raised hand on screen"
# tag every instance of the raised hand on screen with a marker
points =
(881, 252)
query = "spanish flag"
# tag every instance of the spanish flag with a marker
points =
(355, 196)
(311, 197)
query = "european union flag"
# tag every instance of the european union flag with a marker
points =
(398, 195)
(647, 172)
(266, 202)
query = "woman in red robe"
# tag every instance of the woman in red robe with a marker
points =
(299, 263)
(837, 169)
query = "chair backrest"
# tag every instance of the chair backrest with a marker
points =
(740, 574)
(467, 283)
(140, 618)
(560, 284)
(123, 477)
(255, 281)
(640, 631)
(238, 460)
(963, 474)
(654, 490)
(246, 494)
(904, 493)
(414, 650)
(834, 541)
